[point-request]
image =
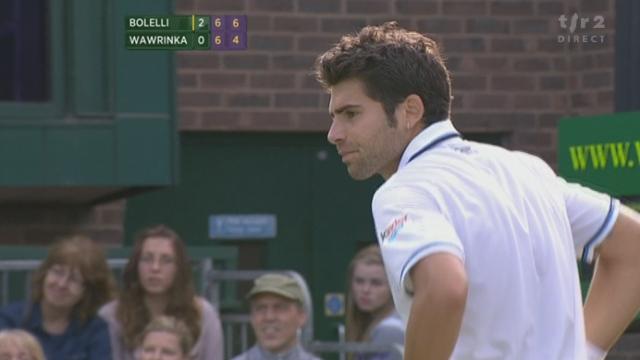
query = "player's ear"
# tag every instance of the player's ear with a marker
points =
(414, 111)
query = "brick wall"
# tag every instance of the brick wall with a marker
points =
(510, 76)
(510, 73)
(41, 224)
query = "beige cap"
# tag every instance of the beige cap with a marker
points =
(278, 284)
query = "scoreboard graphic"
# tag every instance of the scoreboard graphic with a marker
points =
(186, 32)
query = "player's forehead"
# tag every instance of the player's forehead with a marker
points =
(347, 93)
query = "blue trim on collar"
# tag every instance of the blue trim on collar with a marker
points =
(432, 144)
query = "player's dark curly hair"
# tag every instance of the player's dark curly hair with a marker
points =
(393, 63)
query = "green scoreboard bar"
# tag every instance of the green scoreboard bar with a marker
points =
(155, 23)
(180, 32)
(186, 32)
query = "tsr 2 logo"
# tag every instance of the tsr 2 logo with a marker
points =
(597, 22)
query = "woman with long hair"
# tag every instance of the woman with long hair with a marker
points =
(67, 290)
(370, 314)
(157, 280)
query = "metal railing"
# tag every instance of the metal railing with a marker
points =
(28, 266)
(210, 286)
(240, 323)
(343, 348)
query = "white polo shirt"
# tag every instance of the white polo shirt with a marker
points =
(516, 226)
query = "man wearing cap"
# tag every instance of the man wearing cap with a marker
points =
(277, 313)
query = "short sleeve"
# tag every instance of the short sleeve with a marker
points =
(591, 216)
(410, 226)
(210, 344)
(118, 349)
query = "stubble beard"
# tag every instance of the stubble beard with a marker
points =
(366, 166)
(373, 162)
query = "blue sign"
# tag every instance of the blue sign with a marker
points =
(245, 226)
(334, 304)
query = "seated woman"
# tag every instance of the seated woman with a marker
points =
(19, 344)
(165, 338)
(68, 288)
(371, 316)
(157, 281)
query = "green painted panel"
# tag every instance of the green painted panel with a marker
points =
(145, 151)
(90, 59)
(23, 167)
(137, 151)
(145, 78)
(227, 173)
(79, 156)
(343, 222)
(602, 152)
(322, 214)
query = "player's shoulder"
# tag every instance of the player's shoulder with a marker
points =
(397, 189)
(535, 163)
(513, 159)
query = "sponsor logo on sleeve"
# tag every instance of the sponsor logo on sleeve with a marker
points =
(391, 232)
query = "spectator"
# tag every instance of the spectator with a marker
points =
(165, 338)
(19, 344)
(277, 315)
(68, 288)
(158, 281)
(371, 316)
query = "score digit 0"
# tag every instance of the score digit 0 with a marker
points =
(202, 41)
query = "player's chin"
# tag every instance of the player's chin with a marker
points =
(358, 173)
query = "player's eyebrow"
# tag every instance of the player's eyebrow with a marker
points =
(342, 109)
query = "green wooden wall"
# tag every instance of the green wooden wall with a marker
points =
(322, 214)
(111, 117)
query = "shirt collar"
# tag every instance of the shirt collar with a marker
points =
(294, 353)
(35, 322)
(428, 137)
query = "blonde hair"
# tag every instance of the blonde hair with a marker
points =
(358, 322)
(173, 326)
(23, 340)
